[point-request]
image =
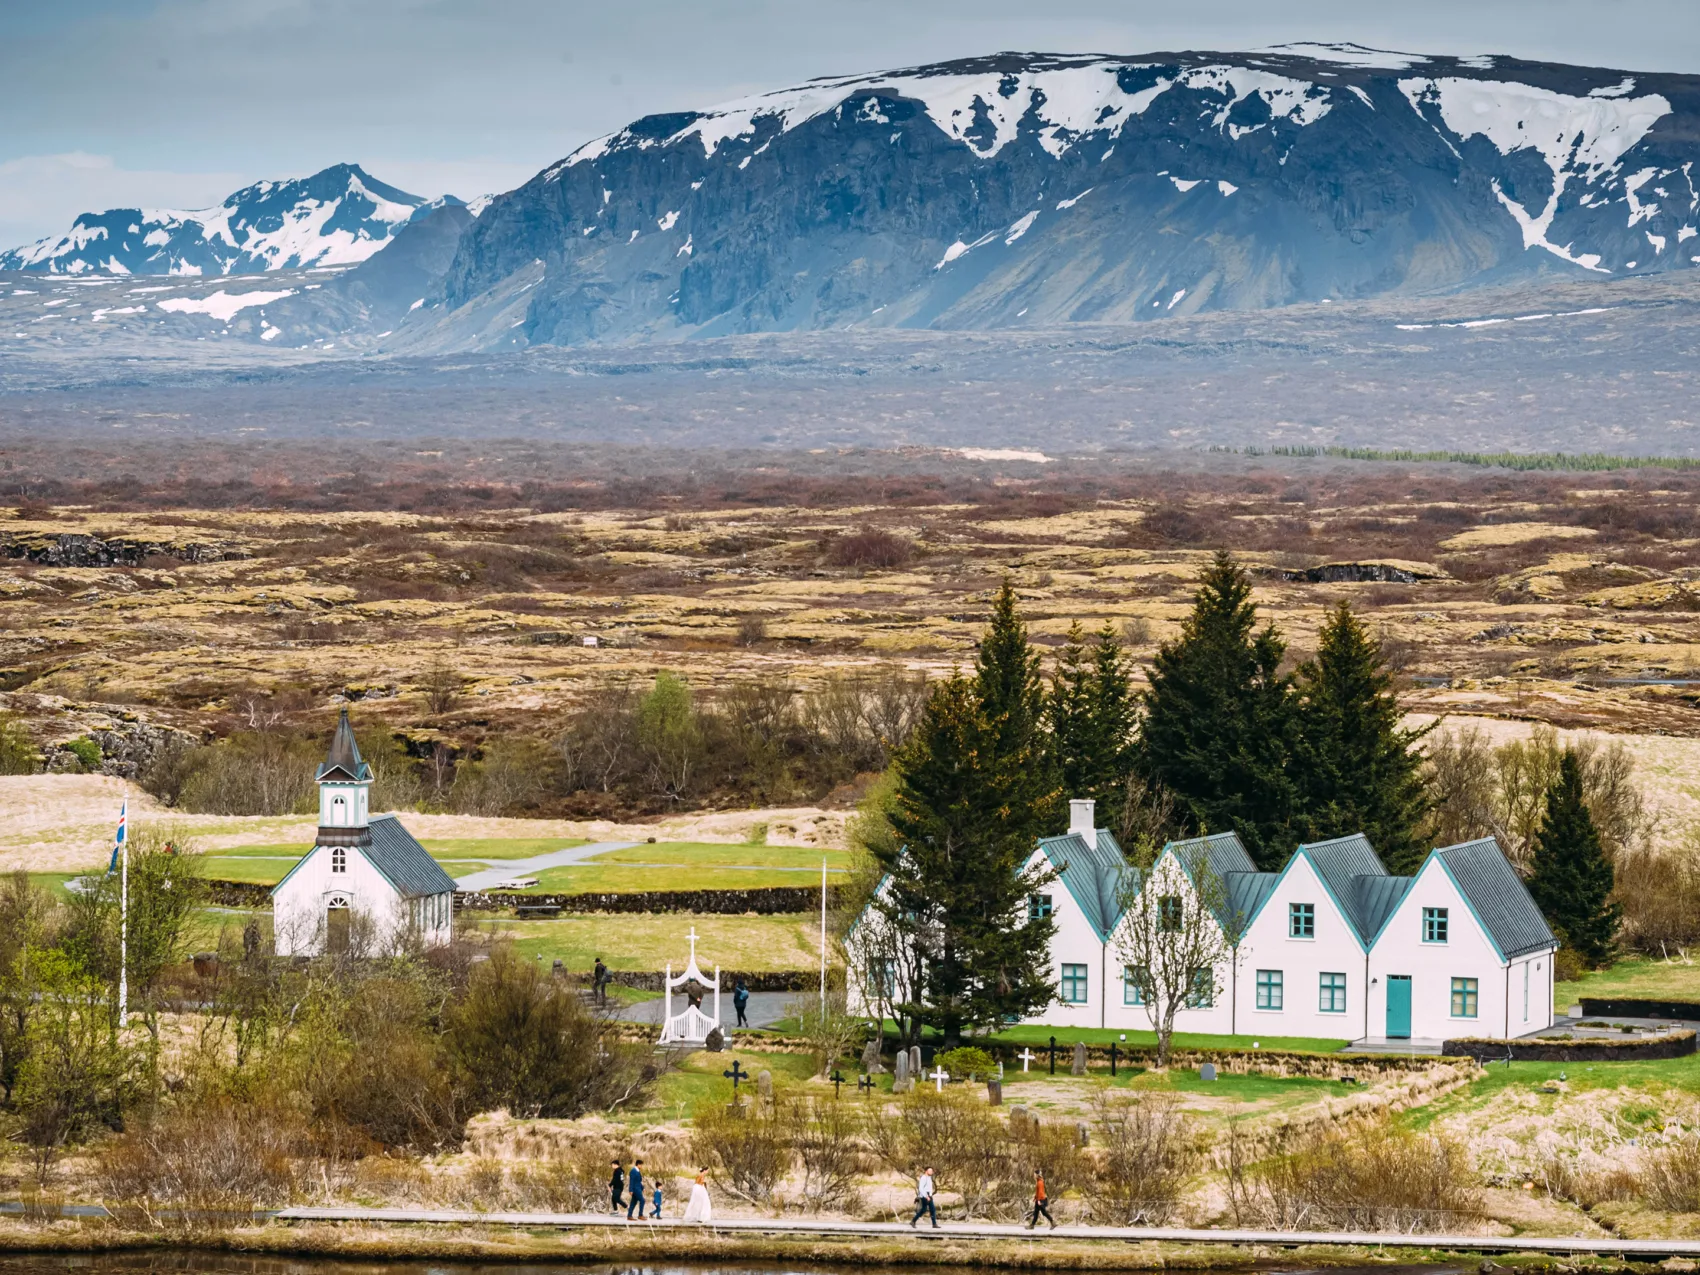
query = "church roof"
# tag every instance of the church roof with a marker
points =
(405, 863)
(343, 760)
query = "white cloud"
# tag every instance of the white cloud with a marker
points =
(42, 194)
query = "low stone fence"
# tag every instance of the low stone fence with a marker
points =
(1678, 1044)
(238, 894)
(1686, 1011)
(764, 901)
(1365, 1068)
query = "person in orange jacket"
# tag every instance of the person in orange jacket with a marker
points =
(1040, 1203)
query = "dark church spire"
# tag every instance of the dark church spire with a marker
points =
(344, 755)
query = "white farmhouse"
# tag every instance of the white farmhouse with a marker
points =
(366, 886)
(1331, 946)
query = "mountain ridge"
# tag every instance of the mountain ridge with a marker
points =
(340, 215)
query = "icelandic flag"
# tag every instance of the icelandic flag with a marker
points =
(118, 841)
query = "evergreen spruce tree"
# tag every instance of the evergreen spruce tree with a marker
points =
(1359, 769)
(1011, 696)
(1093, 712)
(1220, 726)
(958, 890)
(1573, 879)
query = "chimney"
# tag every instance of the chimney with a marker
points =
(1080, 820)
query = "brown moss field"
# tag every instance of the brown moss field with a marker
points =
(1568, 599)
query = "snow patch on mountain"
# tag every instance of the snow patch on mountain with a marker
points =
(222, 305)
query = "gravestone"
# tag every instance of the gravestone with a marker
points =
(1079, 1068)
(871, 1058)
(994, 1092)
(1207, 1072)
(716, 1041)
(1018, 1118)
(1083, 1131)
(764, 1086)
(916, 1066)
(900, 1082)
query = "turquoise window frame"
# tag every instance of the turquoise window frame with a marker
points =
(1271, 989)
(1466, 997)
(1074, 985)
(1331, 993)
(1301, 920)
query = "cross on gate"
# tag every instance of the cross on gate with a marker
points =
(866, 1084)
(837, 1081)
(735, 1075)
(1026, 1056)
(1112, 1058)
(940, 1075)
(1053, 1055)
(692, 936)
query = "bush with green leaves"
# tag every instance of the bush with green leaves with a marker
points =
(86, 751)
(966, 1062)
(17, 750)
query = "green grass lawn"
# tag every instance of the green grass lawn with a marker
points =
(648, 941)
(693, 865)
(1633, 977)
(54, 882)
(699, 1078)
(266, 865)
(1035, 1035)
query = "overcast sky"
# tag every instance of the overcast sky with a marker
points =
(179, 102)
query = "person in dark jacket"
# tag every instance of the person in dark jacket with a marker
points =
(741, 1002)
(615, 1184)
(599, 982)
(634, 1188)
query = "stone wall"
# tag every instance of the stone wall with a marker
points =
(1552, 1049)
(767, 901)
(1685, 1011)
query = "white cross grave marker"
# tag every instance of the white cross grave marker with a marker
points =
(1026, 1057)
(940, 1075)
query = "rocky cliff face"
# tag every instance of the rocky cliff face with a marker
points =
(1032, 190)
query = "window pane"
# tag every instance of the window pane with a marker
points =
(1133, 986)
(1464, 998)
(1038, 907)
(1434, 925)
(1073, 987)
(1301, 920)
(1269, 989)
(1332, 996)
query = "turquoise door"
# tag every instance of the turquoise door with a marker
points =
(1398, 1006)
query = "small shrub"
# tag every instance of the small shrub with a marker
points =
(1672, 1177)
(752, 1146)
(826, 1134)
(1145, 1160)
(752, 631)
(17, 750)
(1136, 631)
(869, 547)
(86, 751)
(966, 1062)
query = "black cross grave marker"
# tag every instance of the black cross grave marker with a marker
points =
(1053, 1055)
(837, 1081)
(735, 1075)
(1112, 1058)
(865, 1084)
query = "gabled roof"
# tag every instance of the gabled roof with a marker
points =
(1248, 892)
(1340, 862)
(1498, 897)
(343, 760)
(1093, 873)
(1224, 852)
(1374, 900)
(404, 863)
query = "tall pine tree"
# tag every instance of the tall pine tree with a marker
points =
(1360, 770)
(1220, 724)
(1573, 878)
(1093, 712)
(1011, 693)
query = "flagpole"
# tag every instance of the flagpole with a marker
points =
(124, 935)
(823, 942)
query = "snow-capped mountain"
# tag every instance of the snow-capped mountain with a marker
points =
(1035, 189)
(336, 217)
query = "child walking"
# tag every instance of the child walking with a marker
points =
(656, 1211)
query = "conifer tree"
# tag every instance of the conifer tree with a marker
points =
(1573, 879)
(1092, 714)
(1359, 769)
(958, 887)
(1219, 727)
(1011, 696)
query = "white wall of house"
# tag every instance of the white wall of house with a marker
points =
(1274, 943)
(301, 903)
(1076, 950)
(1168, 876)
(342, 805)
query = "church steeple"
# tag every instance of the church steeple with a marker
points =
(344, 781)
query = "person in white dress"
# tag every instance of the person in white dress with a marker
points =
(700, 1209)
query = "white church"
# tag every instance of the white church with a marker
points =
(1332, 946)
(366, 886)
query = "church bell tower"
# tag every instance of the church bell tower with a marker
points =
(344, 781)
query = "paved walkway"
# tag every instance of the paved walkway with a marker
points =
(1391, 1045)
(764, 1009)
(994, 1231)
(511, 868)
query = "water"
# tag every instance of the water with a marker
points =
(196, 1262)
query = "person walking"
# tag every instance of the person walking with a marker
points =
(700, 1208)
(615, 1186)
(924, 1199)
(634, 1188)
(1040, 1203)
(599, 982)
(656, 1212)
(741, 1002)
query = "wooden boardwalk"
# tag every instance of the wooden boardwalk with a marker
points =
(1606, 1247)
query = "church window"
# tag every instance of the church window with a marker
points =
(339, 859)
(339, 812)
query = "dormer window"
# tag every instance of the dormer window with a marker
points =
(339, 859)
(1301, 920)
